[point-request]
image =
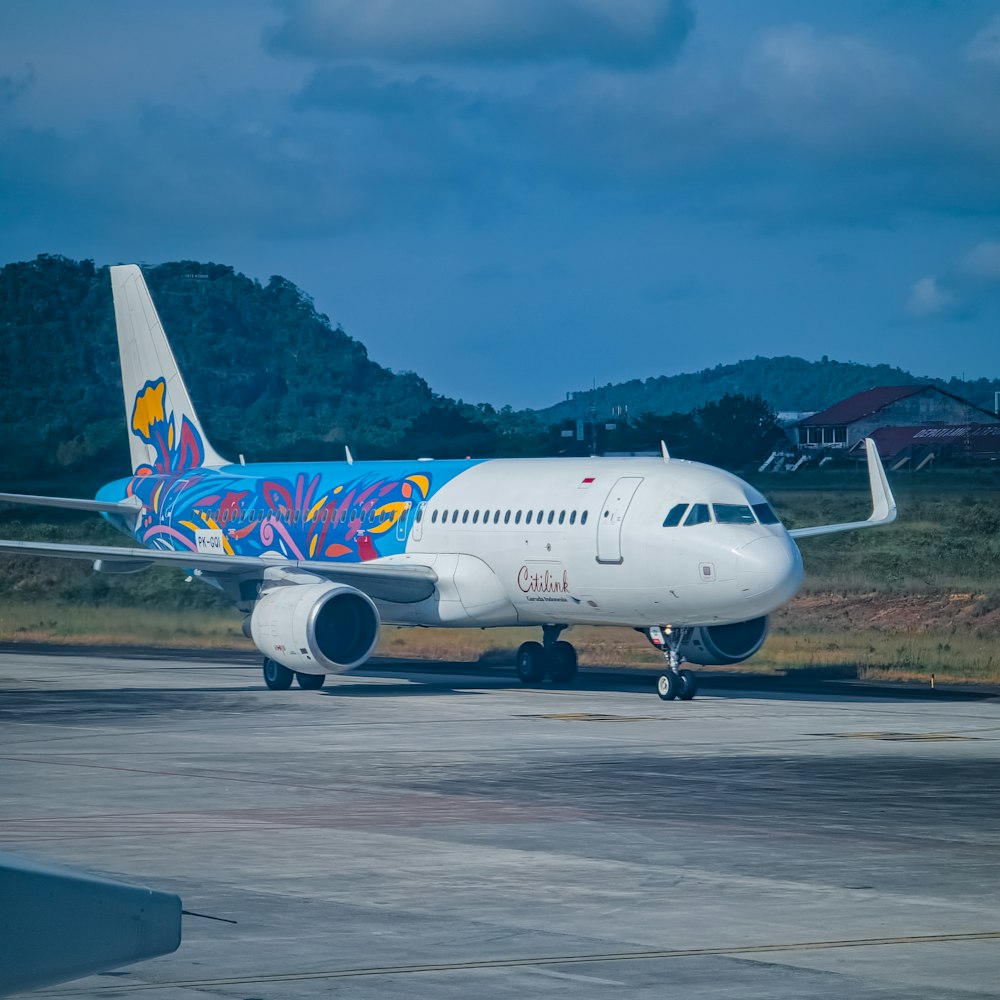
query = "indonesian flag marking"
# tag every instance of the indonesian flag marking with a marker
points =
(585, 483)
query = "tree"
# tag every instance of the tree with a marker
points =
(735, 431)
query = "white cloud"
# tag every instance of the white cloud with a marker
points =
(983, 261)
(832, 92)
(626, 33)
(985, 47)
(929, 298)
(798, 56)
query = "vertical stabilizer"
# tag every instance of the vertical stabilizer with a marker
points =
(165, 434)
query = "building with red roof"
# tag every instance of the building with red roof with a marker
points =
(906, 410)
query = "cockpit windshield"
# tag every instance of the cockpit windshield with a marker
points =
(674, 515)
(720, 513)
(733, 513)
(698, 514)
(765, 515)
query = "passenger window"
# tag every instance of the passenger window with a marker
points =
(527, 518)
(674, 515)
(698, 514)
(552, 514)
(562, 516)
(475, 517)
(434, 517)
(486, 516)
(454, 517)
(506, 517)
(764, 514)
(465, 517)
(420, 513)
(517, 518)
(733, 513)
(572, 517)
(496, 517)
(583, 518)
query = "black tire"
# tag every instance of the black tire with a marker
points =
(688, 686)
(277, 677)
(531, 663)
(309, 682)
(668, 685)
(562, 663)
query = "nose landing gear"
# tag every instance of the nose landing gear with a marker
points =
(677, 682)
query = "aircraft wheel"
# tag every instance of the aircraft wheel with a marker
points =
(668, 686)
(531, 663)
(688, 685)
(277, 677)
(309, 682)
(562, 663)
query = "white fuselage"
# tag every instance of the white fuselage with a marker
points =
(600, 553)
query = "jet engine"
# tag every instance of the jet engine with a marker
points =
(315, 628)
(716, 645)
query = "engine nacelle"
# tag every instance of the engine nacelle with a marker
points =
(315, 628)
(718, 645)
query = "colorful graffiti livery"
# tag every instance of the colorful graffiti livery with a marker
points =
(309, 517)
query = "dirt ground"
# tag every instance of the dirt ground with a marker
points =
(967, 613)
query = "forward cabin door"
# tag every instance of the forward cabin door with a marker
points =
(609, 526)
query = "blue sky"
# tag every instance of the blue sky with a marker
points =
(515, 198)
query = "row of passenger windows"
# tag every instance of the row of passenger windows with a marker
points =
(286, 516)
(495, 517)
(721, 513)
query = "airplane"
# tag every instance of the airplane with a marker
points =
(316, 556)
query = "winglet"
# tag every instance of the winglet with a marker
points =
(348, 457)
(663, 449)
(883, 502)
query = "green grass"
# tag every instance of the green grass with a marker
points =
(940, 542)
(869, 654)
(53, 621)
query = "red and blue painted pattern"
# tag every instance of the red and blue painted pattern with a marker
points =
(326, 511)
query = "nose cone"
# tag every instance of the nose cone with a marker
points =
(769, 572)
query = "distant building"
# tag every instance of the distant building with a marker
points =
(789, 418)
(911, 412)
(979, 442)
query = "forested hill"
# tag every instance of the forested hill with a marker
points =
(786, 383)
(273, 380)
(269, 375)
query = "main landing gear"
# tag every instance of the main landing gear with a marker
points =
(279, 678)
(550, 657)
(676, 682)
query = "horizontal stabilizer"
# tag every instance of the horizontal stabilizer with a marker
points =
(60, 924)
(883, 502)
(399, 583)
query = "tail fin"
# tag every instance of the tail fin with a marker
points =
(165, 434)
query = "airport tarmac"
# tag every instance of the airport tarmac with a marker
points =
(414, 834)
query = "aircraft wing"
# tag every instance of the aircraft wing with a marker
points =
(400, 583)
(883, 502)
(132, 506)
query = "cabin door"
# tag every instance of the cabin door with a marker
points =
(612, 516)
(403, 523)
(418, 522)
